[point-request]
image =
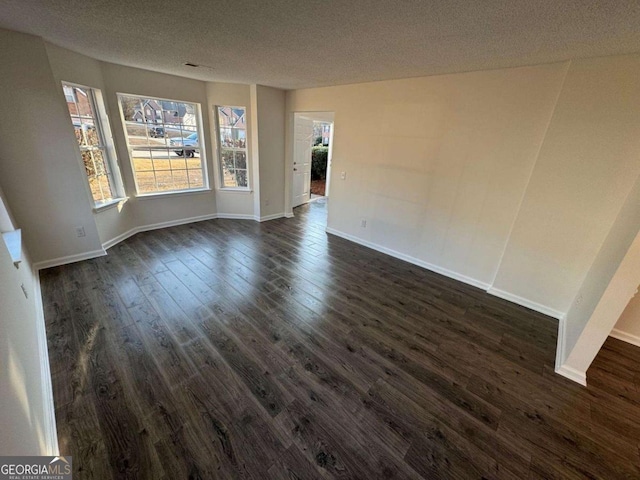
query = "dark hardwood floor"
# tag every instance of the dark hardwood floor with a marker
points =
(233, 349)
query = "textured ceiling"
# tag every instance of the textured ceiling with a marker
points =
(305, 43)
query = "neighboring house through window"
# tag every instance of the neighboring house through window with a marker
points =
(165, 144)
(90, 124)
(232, 138)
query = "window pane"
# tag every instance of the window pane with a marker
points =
(136, 134)
(157, 135)
(241, 178)
(161, 159)
(178, 163)
(146, 182)
(188, 130)
(98, 161)
(94, 185)
(229, 178)
(227, 159)
(180, 180)
(239, 138)
(232, 136)
(77, 128)
(142, 160)
(105, 188)
(91, 134)
(224, 116)
(184, 139)
(131, 109)
(87, 130)
(226, 137)
(195, 178)
(97, 174)
(156, 123)
(87, 160)
(192, 159)
(69, 93)
(241, 160)
(237, 117)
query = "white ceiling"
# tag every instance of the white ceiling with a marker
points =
(305, 43)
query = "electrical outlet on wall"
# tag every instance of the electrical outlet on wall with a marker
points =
(363, 223)
(80, 232)
(343, 175)
(579, 299)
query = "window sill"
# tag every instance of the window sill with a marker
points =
(148, 196)
(111, 204)
(235, 190)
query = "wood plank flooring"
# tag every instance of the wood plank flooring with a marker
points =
(233, 349)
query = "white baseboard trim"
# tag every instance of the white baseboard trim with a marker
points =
(625, 337)
(289, 215)
(266, 218)
(155, 226)
(572, 374)
(175, 223)
(236, 216)
(410, 259)
(50, 432)
(562, 368)
(560, 342)
(55, 262)
(525, 303)
(123, 236)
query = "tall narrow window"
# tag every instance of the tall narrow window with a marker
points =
(232, 137)
(165, 144)
(96, 157)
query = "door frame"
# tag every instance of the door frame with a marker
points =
(320, 116)
(303, 126)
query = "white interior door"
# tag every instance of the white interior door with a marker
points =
(329, 159)
(301, 188)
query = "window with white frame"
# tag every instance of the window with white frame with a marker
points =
(99, 162)
(232, 141)
(165, 144)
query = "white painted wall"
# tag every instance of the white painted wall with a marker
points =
(628, 325)
(271, 125)
(437, 165)
(254, 150)
(25, 403)
(587, 165)
(607, 289)
(579, 342)
(68, 66)
(611, 304)
(509, 179)
(40, 168)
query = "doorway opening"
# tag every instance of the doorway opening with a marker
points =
(320, 159)
(312, 150)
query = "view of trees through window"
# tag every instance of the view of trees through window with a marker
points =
(164, 144)
(81, 105)
(232, 134)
